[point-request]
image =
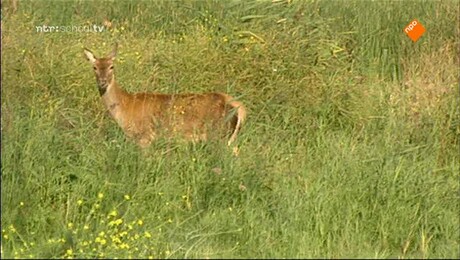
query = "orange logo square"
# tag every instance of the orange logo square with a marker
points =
(414, 30)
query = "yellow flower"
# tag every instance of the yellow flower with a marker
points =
(101, 241)
(21, 203)
(116, 239)
(115, 222)
(127, 197)
(79, 202)
(12, 229)
(85, 227)
(100, 195)
(147, 234)
(69, 252)
(70, 225)
(124, 245)
(113, 213)
(140, 222)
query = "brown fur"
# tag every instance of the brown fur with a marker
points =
(146, 116)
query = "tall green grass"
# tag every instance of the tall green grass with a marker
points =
(350, 148)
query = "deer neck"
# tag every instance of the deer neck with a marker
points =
(113, 99)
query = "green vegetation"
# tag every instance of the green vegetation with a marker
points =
(350, 148)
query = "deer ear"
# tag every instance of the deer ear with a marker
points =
(113, 53)
(89, 55)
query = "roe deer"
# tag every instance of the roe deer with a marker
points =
(146, 116)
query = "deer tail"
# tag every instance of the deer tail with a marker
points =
(240, 115)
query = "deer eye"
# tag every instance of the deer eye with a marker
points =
(94, 68)
(111, 67)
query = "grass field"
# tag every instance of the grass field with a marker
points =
(351, 147)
